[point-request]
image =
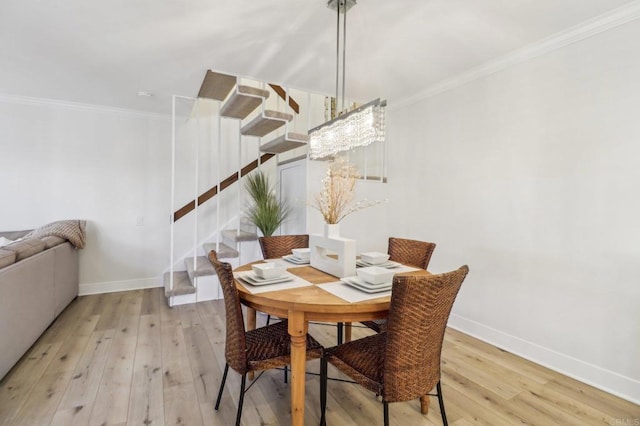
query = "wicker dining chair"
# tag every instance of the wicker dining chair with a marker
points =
(280, 245)
(408, 252)
(403, 362)
(277, 246)
(245, 351)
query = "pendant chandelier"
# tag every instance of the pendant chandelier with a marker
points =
(359, 127)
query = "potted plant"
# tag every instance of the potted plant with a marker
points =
(266, 212)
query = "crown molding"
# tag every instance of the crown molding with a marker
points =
(27, 100)
(599, 24)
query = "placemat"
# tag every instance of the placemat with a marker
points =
(281, 262)
(403, 268)
(255, 289)
(351, 294)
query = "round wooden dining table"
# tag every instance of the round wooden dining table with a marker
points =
(301, 305)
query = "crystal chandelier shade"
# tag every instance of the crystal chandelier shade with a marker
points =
(360, 127)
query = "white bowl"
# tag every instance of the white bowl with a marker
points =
(268, 270)
(301, 253)
(374, 257)
(375, 274)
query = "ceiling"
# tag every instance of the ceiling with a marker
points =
(105, 52)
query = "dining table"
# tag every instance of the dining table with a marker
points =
(305, 303)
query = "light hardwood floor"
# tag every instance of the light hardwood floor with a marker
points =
(126, 358)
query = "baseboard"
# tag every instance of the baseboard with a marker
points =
(113, 286)
(598, 377)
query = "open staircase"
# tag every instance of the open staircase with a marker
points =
(198, 281)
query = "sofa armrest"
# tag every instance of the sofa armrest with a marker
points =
(66, 276)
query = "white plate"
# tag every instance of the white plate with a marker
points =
(365, 286)
(251, 278)
(389, 264)
(293, 259)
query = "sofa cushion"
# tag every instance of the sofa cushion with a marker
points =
(15, 235)
(26, 248)
(52, 241)
(72, 230)
(7, 257)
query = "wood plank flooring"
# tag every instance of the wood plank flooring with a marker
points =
(128, 359)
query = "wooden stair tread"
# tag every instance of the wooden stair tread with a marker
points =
(216, 85)
(285, 143)
(224, 251)
(243, 101)
(203, 267)
(233, 235)
(266, 123)
(181, 284)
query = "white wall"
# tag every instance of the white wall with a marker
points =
(110, 167)
(531, 177)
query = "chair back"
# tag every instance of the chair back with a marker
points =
(418, 314)
(281, 245)
(410, 252)
(235, 343)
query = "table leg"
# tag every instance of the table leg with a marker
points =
(251, 325)
(251, 319)
(298, 332)
(347, 332)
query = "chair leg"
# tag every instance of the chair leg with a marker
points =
(339, 333)
(241, 400)
(224, 379)
(385, 404)
(286, 370)
(323, 390)
(424, 404)
(268, 319)
(441, 402)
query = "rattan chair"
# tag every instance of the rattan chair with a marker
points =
(277, 246)
(281, 245)
(403, 362)
(408, 252)
(245, 351)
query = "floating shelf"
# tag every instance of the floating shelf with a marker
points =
(266, 123)
(285, 143)
(216, 85)
(243, 101)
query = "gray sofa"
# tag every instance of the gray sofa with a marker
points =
(38, 279)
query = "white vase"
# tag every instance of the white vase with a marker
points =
(332, 253)
(331, 230)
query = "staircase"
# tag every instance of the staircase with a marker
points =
(198, 281)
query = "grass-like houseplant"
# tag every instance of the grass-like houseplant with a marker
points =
(265, 211)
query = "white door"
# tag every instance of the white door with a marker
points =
(293, 188)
